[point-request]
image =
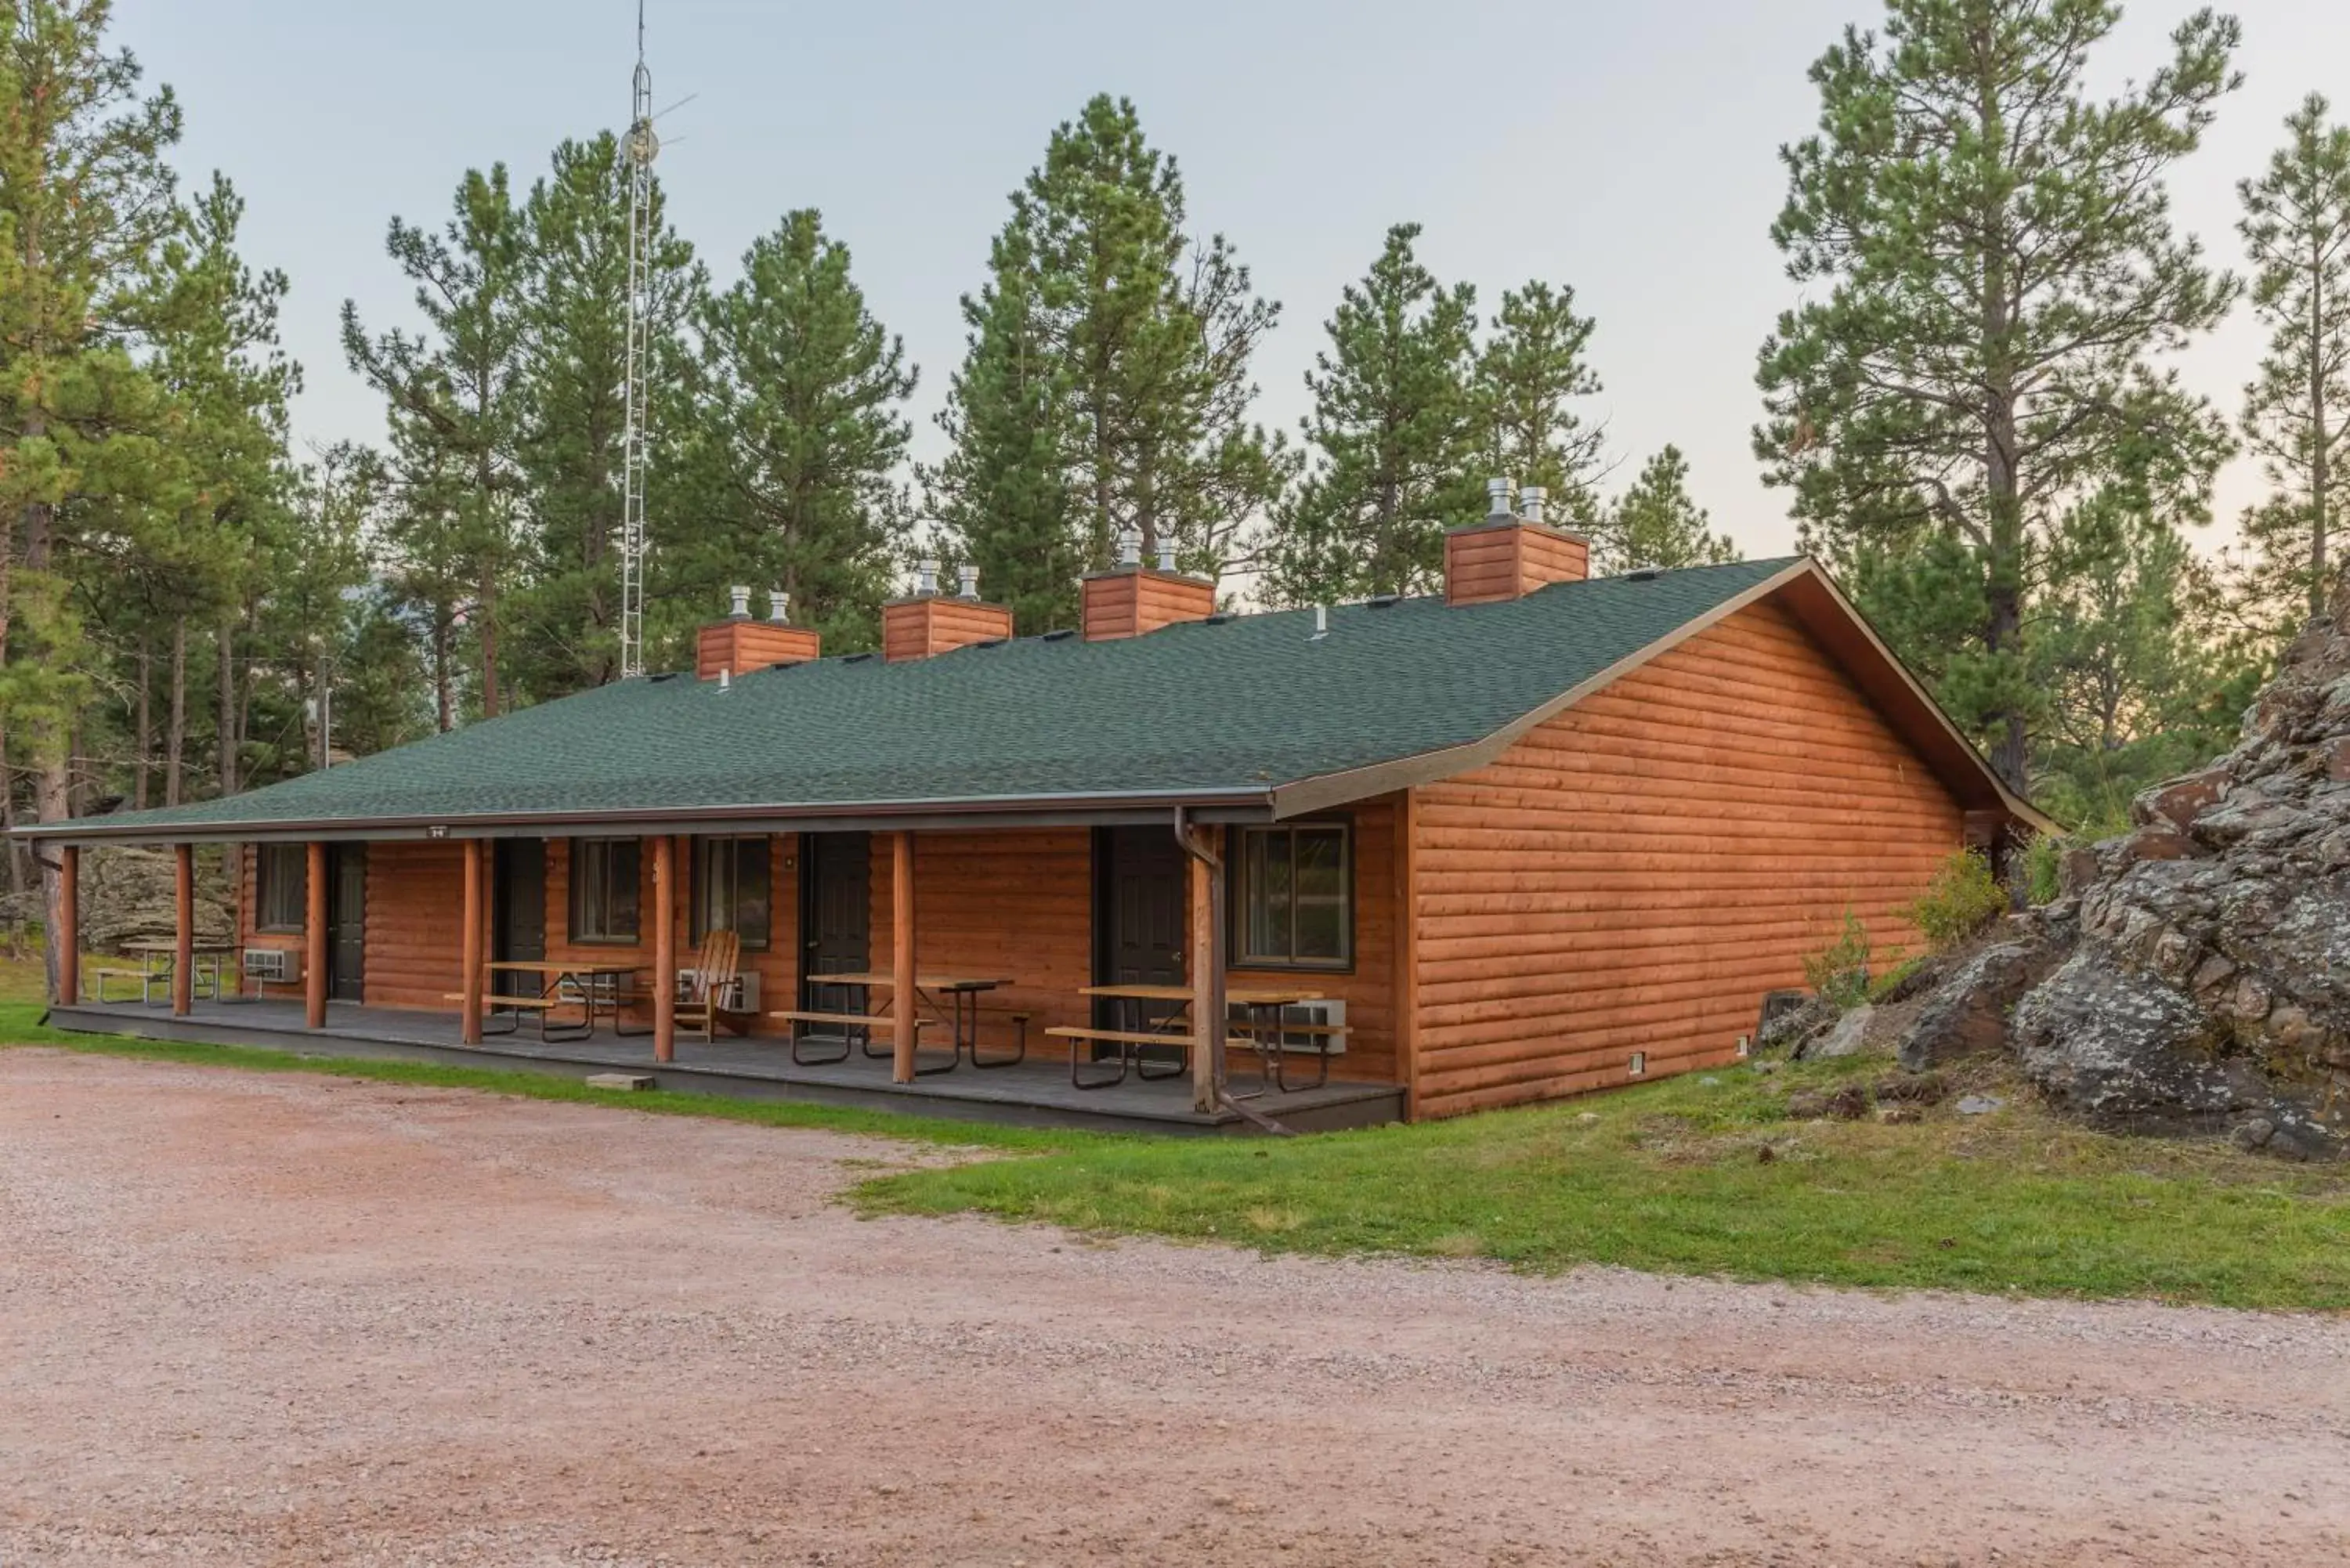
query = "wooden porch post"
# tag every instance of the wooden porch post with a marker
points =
(1407, 952)
(183, 929)
(469, 985)
(314, 938)
(664, 949)
(1207, 967)
(68, 932)
(901, 955)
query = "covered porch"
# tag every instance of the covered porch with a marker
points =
(1037, 1093)
(1073, 937)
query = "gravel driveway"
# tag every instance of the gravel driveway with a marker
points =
(248, 1318)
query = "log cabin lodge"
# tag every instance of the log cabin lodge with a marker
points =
(1537, 834)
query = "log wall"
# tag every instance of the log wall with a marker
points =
(1635, 874)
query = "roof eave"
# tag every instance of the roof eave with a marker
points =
(1250, 804)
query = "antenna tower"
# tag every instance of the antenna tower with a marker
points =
(639, 149)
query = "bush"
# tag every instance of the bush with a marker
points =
(2041, 858)
(1839, 971)
(1963, 900)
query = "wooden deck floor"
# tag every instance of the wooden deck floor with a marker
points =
(1035, 1093)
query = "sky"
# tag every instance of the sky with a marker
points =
(1628, 151)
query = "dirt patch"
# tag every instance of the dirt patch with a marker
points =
(247, 1318)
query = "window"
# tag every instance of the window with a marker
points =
(1296, 897)
(604, 889)
(281, 895)
(729, 889)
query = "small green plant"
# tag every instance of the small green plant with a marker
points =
(1963, 900)
(1839, 971)
(2042, 857)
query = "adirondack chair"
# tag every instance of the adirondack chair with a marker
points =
(710, 977)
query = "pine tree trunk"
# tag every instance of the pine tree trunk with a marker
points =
(179, 721)
(2318, 477)
(488, 608)
(444, 712)
(231, 738)
(144, 742)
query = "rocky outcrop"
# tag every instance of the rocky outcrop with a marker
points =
(2196, 974)
(129, 894)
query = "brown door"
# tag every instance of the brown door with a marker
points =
(347, 921)
(836, 914)
(1140, 904)
(518, 923)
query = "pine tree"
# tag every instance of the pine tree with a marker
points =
(456, 402)
(1994, 268)
(2296, 228)
(574, 350)
(1001, 493)
(1394, 435)
(85, 197)
(1655, 524)
(1528, 377)
(804, 421)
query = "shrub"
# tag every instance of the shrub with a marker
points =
(2042, 858)
(1839, 971)
(1964, 899)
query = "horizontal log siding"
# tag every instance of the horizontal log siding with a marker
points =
(415, 931)
(917, 628)
(1017, 905)
(1635, 873)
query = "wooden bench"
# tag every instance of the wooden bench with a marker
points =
(498, 1001)
(145, 978)
(1128, 1042)
(849, 1023)
(1271, 1055)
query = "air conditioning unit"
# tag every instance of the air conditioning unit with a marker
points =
(740, 994)
(281, 965)
(1326, 1015)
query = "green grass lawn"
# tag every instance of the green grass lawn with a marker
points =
(1671, 1177)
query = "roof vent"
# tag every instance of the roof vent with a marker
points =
(1497, 499)
(664, 675)
(966, 581)
(740, 609)
(1130, 545)
(926, 575)
(1530, 504)
(1383, 601)
(1321, 623)
(857, 657)
(1217, 620)
(1061, 634)
(1166, 554)
(1641, 574)
(779, 607)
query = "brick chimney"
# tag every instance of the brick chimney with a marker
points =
(1511, 554)
(738, 645)
(1130, 599)
(927, 622)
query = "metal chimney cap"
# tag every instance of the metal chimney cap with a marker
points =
(1130, 545)
(1529, 503)
(779, 607)
(1498, 489)
(926, 575)
(740, 595)
(1166, 554)
(967, 581)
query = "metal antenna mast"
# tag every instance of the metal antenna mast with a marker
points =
(639, 149)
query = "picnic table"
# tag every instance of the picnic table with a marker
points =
(158, 959)
(1265, 1028)
(962, 1011)
(593, 983)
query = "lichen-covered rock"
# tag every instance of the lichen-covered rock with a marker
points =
(1848, 1036)
(1967, 1014)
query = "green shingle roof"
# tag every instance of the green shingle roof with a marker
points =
(1241, 706)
